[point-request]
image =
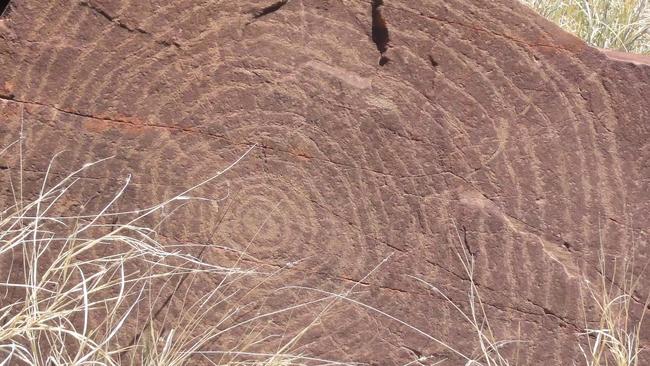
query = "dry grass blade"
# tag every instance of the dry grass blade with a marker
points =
(78, 281)
(622, 25)
(48, 319)
(615, 340)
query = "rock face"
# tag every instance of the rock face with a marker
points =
(381, 128)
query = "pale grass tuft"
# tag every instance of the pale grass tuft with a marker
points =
(76, 280)
(622, 25)
(615, 341)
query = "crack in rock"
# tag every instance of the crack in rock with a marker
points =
(380, 34)
(269, 9)
(115, 20)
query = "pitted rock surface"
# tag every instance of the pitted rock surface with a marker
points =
(380, 128)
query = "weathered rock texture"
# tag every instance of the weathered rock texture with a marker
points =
(377, 127)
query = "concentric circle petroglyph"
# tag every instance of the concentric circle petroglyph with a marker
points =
(275, 224)
(479, 113)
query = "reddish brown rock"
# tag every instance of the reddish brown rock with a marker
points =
(474, 112)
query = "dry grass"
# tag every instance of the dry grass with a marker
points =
(613, 342)
(64, 305)
(614, 24)
(615, 339)
(74, 281)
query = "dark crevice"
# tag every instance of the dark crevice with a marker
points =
(103, 13)
(270, 9)
(7, 96)
(126, 27)
(123, 121)
(380, 31)
(5, 9)
(465, 243)
(433, 62)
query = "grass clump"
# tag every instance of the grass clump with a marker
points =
(614, 340)
(622, 25)
(80, 289)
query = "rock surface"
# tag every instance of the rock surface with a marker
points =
(380, 130)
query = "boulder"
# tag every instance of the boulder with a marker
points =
(388, 137)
